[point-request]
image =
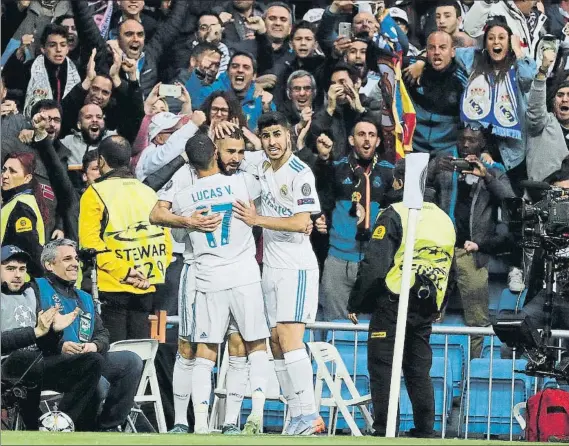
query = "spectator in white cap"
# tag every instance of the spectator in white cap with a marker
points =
(313, 15)
(402, 19)
(167, 134)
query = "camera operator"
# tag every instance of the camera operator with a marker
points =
(535, 298)
(474, 209)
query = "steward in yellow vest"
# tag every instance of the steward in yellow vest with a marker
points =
(377, 291)
(22, 224)
(134, 254)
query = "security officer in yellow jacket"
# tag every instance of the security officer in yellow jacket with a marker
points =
(22, 222)
(377, 290)
(132, 253)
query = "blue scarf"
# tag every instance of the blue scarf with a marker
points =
(492, 103)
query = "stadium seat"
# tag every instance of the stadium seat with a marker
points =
(501, 399)
(495, 348)
(457, 350)
(510, 303)
(441, 392)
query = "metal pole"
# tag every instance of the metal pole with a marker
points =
(401, 324)
(415, 178)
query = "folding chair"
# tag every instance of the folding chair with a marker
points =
(146, 349)
(324, 353)
(273, 392)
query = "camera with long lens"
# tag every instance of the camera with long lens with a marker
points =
(545, 221)
(543, 225)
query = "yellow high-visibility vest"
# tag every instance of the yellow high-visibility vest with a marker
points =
(7, 209)
(127, 231)
(434, 249)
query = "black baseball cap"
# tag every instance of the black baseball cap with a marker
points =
(11, 251)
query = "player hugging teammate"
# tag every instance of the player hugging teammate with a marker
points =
(222, 292)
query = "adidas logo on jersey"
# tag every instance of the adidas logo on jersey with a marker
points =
(347, 181)
(203, 335)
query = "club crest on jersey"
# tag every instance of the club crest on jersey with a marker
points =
(306, 189)
(284, 191)
(266, 165)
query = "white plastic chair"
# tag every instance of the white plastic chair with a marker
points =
(273, 391)
(324, 353)
(146, 349)
(517, 411)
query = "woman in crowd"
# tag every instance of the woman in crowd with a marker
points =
(23, 211)
(496, 96)
(220, 106)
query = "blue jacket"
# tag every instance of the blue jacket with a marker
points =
(49, 297)
(437, 104)
(252, 106)
(338, 182)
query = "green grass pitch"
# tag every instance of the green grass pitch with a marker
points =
(97, 438)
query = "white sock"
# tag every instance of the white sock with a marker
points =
(300, 372)
(258, 375)
(201, 390)
(182, 386)
(286, 388)
(236, 385)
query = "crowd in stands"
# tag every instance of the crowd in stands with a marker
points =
(361, 84)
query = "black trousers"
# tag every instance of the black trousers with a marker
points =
(125, 315)
(417, 359)
(76, 376)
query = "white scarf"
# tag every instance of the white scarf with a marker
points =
(39, 87)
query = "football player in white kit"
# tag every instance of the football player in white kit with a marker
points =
(290, 269)
(227, 280)
(231, 154)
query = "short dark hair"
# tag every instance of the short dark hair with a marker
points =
(245, 54)
(200, 150)
(205, 47)
(209, 13)
(53, 29)
(128, 20)
(281, 5)
(272, 118)
(369, 121)
(88, 158)
(46, 104)
(116, 150)
(61, 19)
(237, 133)
(303, 24)
(343, 66)
(452, 3)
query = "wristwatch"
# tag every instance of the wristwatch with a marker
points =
(543, 71)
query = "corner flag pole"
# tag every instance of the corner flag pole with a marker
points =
(415, 179)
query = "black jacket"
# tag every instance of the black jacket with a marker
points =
(90, 37)
(370, 285)
(340, 124)
(126, 100)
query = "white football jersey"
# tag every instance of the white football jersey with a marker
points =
(224, 258)
(185, 176)
(288, 191)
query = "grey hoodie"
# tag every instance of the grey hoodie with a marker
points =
(546, 146)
